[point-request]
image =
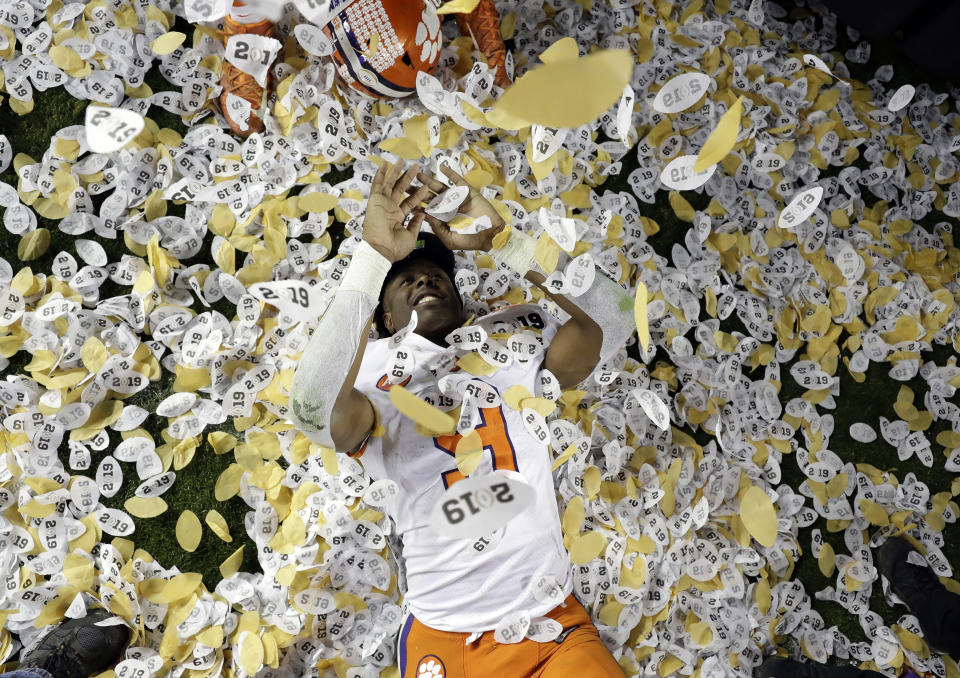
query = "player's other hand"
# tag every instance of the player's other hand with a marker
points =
(474, 206)
(384, 226)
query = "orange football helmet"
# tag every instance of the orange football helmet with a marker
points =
(408, 41)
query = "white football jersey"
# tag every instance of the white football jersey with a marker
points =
(467, 585)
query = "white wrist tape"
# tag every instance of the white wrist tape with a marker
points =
(611, 307)
(517, 253)
(327, 360)
(367, 271)
(607, 304)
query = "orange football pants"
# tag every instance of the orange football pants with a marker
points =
(427, 653)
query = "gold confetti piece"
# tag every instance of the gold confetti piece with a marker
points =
(515, 395)
(78, 570)
(874, 512)
(564, 456)
(586, 547)
(547, 253)
(458, 7)
(231, 565)
(181, 586)
(542, 405)
(949, 439)
(640, 316)
(564, 49)
(591, 482)
(721, 139)
(421, 412)
(189, 531)
(473, 363)
(145, 507)
(565, 93)
(759, 516)
(221, 442)
(573, 515)
(372, 45)
(469, 452)
(681, 207)
(33, 244)
(762, 595)
(827, 560)
(218, 524)
(251, 653)
(167, 42)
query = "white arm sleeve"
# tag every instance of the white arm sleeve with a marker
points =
(608, 304)
(327, 360)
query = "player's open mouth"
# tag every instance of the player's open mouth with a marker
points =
(427, 299)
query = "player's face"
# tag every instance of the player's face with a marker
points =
(423, 286)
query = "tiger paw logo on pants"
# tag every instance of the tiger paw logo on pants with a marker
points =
(431, 667)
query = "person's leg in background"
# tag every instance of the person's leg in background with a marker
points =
(76, 648)
(580, 651)
(27, 673)
(936, 608)
(777, 667)
(243, 19)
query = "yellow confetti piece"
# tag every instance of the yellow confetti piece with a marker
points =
(33, 244)
(827, 560)
(640, 316)
(167, 42)
(221, 442)
(564, 49)
(473, 363)
(681, 207)
(586, 547)
(874, 512)
(721, 139)
(189, 531)
(421, 412)
(565, 93)
(458, 7)
(515, 395)
(469, 452)
(759, 516)
(547, 253)
(251, 653)
(762, 595)
(231, 565)
(145, 507)
(218, 524)
(542, 405)
(573, 515)
(564, 456)
(372, 45)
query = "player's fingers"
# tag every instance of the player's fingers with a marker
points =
(435, 223)
(379, 178)
(416, 221)
(415, 199)
(454, 176)
(396, 169)
(400, 188)
(435, 186)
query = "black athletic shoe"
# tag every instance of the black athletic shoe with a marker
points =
(778, 667)
(913, 584)
(77, 649)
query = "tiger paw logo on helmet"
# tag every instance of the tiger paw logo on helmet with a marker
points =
(430, 666)
(428, 34)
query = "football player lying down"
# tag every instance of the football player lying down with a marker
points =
(457, 589)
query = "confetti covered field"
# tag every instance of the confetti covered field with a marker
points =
(779, 199)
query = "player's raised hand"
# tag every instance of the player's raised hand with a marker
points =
(388, 209)
(475, 206)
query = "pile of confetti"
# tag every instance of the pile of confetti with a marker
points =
(683, 552)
